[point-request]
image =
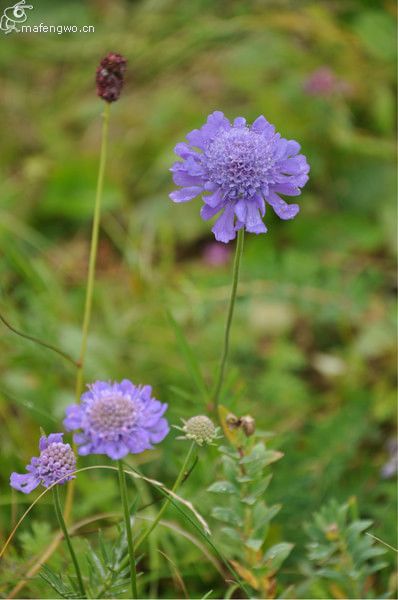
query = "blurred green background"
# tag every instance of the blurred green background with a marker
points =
(313, 345)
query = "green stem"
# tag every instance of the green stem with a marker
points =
(224, 355)
(38, 341)
(58, 511)
(90, 282)
(130, 543)
(93, 251)
(146, 533)
(176, 485)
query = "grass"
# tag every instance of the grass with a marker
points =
(312, 354)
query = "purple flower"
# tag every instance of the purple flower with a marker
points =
(215, 254)
(323, 82)
(116, 419)
(55, 464)
(238, 168)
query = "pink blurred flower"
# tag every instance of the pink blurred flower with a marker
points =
(324, 82)
(216, 254)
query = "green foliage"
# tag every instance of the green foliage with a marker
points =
(341, 556)
(313, 353)
(246, 514)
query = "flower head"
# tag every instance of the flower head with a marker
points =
(238, 169)
(117, 419)
(55, 464)
(324, 82)
(199, 429)
(110, 77)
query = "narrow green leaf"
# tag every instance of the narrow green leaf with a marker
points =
(189, 357)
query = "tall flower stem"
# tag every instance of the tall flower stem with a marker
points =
(130, 543)
(58, 511)
(176, 485)
(149, 530)
(93, 251)
(90, 280)
(224, 355)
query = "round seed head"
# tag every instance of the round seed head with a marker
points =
(200, 429)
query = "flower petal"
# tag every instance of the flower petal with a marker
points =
(208, 212)
(283, 210)
(214, 199)
(223, 228)
(24, 483)
(253, 221)
(73, 417)
(186, 194)
(116, 450)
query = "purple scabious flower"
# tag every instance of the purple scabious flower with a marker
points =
(55, 464)
(117, 419)
(238, 168)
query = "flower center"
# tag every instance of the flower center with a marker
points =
(111, 416)
(56, 462)
(239, 161)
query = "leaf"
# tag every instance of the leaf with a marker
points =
(254, 543)
(245, 574)
(263, 514)
(189, 357)
(260, 457)
(222, 487)
(276, 555)
(258, 491)
(56, 582)
(227, 515)
(233, 534)
(229, 452)
(232, 435)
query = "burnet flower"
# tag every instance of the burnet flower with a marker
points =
(200, 429)
(238, 169)
(55, 464)
(117, 419)
(110, 77)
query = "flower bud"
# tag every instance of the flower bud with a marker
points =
(248, 425)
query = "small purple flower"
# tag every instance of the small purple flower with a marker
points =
(237, 169)
(324, 82)
(117, 419)
(56, 463)
(216, 255)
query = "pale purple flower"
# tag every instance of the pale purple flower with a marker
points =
(321, 82)
(237, 169)
(216, 254)
(55, 464)
(117, 419)
(324, 82)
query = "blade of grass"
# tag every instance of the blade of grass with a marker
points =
(189, 357)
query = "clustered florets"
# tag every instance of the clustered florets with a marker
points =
(237, 169)
(110, 76)
(117, 419)
(199, 429)
(55, 464)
